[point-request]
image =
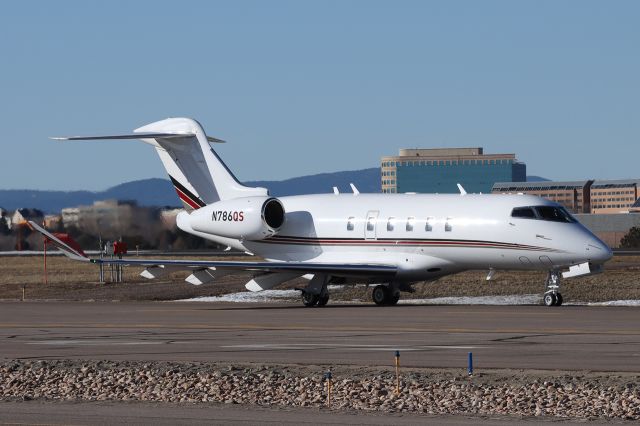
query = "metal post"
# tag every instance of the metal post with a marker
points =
(101, 266)
(23, 288)
(328, 377)
(44, 239)
(470, 366)
(397, 372)
(120, 269)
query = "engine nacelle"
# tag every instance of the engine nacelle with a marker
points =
(247, 218)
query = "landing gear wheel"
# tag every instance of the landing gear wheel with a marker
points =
(323, 299)
(309, 299)
(550, 299)
(552, 296)
(379, 295)
(393, 298)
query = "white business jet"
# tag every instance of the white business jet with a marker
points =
(391, 240)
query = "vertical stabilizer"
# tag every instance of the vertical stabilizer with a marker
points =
(199, 176)
(197, 173)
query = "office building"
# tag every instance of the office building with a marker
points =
(574, 195)
(587, 196)
(439, 170)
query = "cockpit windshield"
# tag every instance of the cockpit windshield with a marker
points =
(554, 214)
(548, 213)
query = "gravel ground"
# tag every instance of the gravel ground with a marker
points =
(520, 393)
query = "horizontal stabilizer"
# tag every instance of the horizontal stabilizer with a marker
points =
(141, 135)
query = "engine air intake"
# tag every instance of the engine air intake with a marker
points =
(273, 213)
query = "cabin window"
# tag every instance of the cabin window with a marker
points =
(428, 226)
(391, 224)
(410, 222)
(371, 224)
(351, 223)
(447, 225)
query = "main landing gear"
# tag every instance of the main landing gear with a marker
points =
(310, 300)
(316, 293)
(384, 295)
(552, 296)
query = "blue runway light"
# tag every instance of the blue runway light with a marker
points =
(470, 366)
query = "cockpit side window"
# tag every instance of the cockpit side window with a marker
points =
(554, 214)
(523, 212)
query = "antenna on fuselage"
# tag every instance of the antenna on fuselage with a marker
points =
(354, 189)
(335, 190)
(461, 189)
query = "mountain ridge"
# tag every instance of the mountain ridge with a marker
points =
(160, 192)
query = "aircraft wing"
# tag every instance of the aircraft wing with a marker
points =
(69, 251)
(338, 269)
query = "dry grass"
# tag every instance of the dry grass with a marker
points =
(70, 280)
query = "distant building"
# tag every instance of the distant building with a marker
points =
(22, 216)
(52, 220)
(610, 228)
(613, 196)
(574, 196)
(588, 196)
(111, 218)
(70, 216)
(439, 170)
(168, 218)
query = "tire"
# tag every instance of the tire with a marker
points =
(323, 299)
(550, 299)
(559, 299)
(309, 300)
(393, 299)
(379, 295)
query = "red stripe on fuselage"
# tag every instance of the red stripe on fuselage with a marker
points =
(411, 242)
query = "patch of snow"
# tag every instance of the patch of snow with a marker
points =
(525, 299)
(616, 303)
(267, 296)
(248, 297)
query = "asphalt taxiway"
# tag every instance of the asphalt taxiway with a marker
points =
(515, 337)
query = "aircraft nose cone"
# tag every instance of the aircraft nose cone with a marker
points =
(598, 251)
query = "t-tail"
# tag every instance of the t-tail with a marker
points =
(198, 175)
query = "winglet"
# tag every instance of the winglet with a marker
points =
(65, 248)
(354, 189)
(461, 189)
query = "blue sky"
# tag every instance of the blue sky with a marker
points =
(302, 87)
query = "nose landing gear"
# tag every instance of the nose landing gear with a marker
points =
(552, 296)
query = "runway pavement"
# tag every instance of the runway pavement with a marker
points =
(520, 337)
(160, 414)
